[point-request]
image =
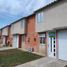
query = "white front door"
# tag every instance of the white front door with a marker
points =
(52, 46)
(15, 41)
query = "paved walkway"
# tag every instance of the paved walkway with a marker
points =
(6, 48)
(44, 62)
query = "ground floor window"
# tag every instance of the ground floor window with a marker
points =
(42, 39)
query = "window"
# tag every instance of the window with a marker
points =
(40, 17)
(42, 39)
(35, 39)
(22, 23)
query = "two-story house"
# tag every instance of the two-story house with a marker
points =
(43, 32)
(51, 22)
(36, 35)
(18, 33)
(35, 40)
(4, 35)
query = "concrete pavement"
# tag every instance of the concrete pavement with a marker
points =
(44, 62)
(6, 48)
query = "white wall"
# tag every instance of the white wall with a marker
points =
(17, 29)
(5, 31)
(54, 17)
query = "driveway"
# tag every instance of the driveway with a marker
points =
(44, 62)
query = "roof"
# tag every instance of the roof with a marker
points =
(50, 4)
(4, 27)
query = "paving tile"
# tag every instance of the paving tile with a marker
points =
(44, 62)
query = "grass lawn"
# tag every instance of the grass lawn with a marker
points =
(13, 57)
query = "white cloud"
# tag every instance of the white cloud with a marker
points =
(42, 3)
(11, 10)
(14, 7)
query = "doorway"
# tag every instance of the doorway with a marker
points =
(52, 44)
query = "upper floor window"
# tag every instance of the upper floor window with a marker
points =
(40, 17)
(22, 23)
(13, 27)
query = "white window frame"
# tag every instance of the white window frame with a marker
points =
(41, 36)
(40, 17)
(22, 23)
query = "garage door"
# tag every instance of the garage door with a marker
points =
(15, 41)
(62, 40)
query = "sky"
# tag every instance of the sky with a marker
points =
(11, 10)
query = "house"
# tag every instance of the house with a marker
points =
(13, 35)
(43, 32)
(51, 21)
(36, 36)
(18, 33)
(33, 36)
(0, 38)
(4, 35)
(47, 30)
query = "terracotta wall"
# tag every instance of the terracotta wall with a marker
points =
(32, 39)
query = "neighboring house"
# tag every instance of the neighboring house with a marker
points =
(4, 36)
(0, 38)
(18, 33)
